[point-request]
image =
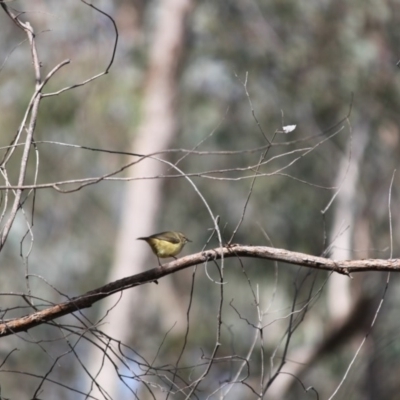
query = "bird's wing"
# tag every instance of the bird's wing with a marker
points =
(167, 236)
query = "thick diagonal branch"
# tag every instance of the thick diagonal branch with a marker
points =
(88, 299)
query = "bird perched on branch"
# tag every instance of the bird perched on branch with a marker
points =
(166, 244)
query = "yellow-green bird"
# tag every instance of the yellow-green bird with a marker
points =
(166, 244)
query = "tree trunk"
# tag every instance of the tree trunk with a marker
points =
(143, 197)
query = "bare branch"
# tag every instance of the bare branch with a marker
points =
(87, 300)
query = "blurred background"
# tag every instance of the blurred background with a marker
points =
(214, 83)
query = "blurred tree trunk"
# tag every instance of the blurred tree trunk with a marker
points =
(348, 309)
(143, 198)
(340, 300)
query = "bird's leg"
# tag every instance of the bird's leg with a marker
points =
(159, 263)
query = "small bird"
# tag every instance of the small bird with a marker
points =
(166, 244)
